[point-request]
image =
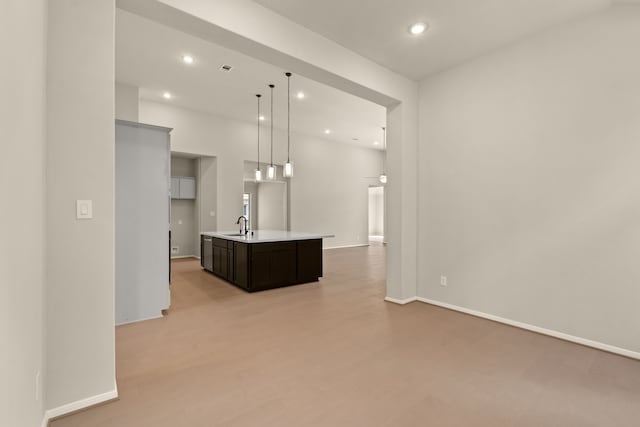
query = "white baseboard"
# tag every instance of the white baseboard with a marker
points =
(140, 320)
(347, 246)
(537, 329)
(51, 414)
(184, 256)
(400, 301)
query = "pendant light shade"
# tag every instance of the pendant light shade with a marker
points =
(271, 170)
(288, 167)
(383, 175)
(258, 172)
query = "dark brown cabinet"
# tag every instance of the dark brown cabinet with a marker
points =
(220, 258)
(261, 266)
(273, 265)
(309, 260)
(222, 254)
(241, 265)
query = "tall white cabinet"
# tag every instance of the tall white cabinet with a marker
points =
(142, 221)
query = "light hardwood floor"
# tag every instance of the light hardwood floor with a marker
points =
(334, 354)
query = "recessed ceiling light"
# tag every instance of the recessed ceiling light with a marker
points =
(376, 143)
(327, 131)
(300, 95)
(166, 95)
(187, 59)
(418, 28)
(261, 118)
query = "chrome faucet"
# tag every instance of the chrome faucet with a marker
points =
(246, 224)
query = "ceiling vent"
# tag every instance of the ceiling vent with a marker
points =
(226, 68)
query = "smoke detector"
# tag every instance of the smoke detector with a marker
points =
(226, 68)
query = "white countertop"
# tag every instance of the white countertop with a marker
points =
(263, 236)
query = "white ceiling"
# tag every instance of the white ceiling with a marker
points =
(149, 55)
(459, 29)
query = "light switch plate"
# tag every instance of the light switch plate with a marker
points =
(84, 209)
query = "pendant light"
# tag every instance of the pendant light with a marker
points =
(258, 171)
(383, 175)
(288, 167)
(271, 170)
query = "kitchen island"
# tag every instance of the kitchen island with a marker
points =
(262, 259)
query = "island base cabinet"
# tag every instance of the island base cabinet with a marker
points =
(273, 265)
(241, 265)
(309, 260)
(261, 266)
(220, 262)
(216, 256)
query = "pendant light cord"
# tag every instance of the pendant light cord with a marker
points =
(288, 115)
(271, 86)
(258, 96)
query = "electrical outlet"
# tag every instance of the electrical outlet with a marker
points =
(179, 222)
(175, 249)
(84, 209)
(443, 280)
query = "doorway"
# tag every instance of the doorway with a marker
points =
(376, 215)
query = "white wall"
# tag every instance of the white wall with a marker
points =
(184, 219)
(376, 211)
(207, 197)
(181, 166)
(80, 165)
(272, 205)
(530, 187)
(126, 99)
(328, 192)
(22, 118)
(184, 228)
